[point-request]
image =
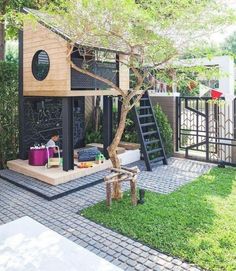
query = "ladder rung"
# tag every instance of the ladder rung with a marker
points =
(151, 142)
(145, 116)
(154, 151)
(158, 159)
(144, 99)
(149, 133)
(145, 107)
(147, 124)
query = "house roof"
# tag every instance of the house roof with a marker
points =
(48, 20)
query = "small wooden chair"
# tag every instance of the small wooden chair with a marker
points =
(121, 175)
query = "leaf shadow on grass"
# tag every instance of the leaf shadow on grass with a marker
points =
(169, 222)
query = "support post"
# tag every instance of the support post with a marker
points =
(22, 146)
(67, 133)
(133, 188)
(207, 130)
(178, 123)
(118, 84)
(234, 106)
(107, 124)
(119, 109)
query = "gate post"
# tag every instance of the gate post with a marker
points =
(207, 129)
(178, 122)
(107, 123)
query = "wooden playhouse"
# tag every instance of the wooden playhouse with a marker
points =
(53, 96)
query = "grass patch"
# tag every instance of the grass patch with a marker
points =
(196, 223)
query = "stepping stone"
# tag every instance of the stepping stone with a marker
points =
(27, 245)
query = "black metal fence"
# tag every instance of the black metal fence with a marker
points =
(206, 129)
(234, 118)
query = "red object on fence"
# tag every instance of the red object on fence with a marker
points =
(215, 94)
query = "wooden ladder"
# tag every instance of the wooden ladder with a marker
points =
(149, 134)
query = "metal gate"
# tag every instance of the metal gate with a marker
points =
(206, 129)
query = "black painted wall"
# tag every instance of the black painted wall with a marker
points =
(82, 81)
(44, 115)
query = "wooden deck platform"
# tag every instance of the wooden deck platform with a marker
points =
(56, 175)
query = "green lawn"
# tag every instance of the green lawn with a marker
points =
(196, 223)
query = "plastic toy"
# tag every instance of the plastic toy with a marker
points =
(99, 158)
(85, 165)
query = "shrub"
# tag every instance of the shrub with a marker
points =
(165, 129)
(91, 135)
(130, 134)
(12, 51)
(8, 112)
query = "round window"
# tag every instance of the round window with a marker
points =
(40, 65)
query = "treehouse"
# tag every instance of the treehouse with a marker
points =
(55, 94)
(55, 97)
(48, 73)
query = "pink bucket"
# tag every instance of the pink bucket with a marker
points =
(39, 157)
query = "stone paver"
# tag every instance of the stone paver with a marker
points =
(48, 191)
(163, 179)
(61, 216)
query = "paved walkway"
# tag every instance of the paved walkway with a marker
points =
(61, 215)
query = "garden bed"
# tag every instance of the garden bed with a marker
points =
(196, 223)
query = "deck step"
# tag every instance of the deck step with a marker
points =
(158, 159)
(154, 151)
(149, 133)
(145, 116)
(151, 142)
(147, 124)
(144, 107)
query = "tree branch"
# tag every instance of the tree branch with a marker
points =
(95, 76)
(91, 74)
(139, 97)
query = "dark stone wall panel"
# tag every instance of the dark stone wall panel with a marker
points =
(44, 115)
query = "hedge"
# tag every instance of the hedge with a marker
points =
(8, 112)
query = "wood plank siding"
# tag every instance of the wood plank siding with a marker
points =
(58, 81)
(123, 73)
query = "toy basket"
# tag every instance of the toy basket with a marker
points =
(39, 157)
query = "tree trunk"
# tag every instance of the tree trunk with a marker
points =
(2, 41)
(117, 194)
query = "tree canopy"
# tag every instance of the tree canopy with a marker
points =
(9, 11)
(159, 29)
(150, 34)
(229, 46)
